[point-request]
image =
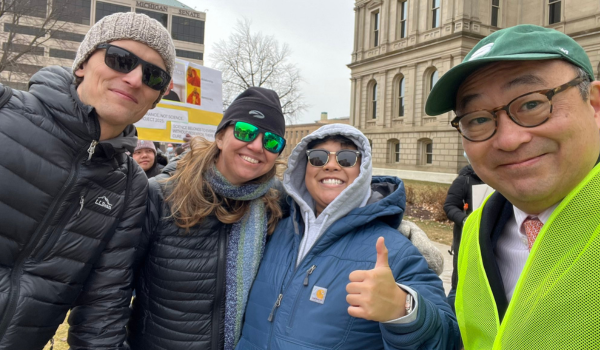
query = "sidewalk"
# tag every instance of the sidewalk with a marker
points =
(446, 276)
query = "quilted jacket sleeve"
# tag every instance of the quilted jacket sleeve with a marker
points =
(435, 326)
(99, 316)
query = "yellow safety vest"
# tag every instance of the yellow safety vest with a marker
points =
(556, 302)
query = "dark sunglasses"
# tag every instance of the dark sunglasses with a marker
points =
(346, 158)
(247, 132)
(123, 61)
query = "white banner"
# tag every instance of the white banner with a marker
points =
(178, 130)
(157, 118)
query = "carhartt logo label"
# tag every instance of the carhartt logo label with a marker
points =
(256, 114)
(318, 294)
(482, 51)
(103, 202)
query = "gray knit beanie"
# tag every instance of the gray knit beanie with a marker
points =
(132, 26)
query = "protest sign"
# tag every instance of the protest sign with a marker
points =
(194, 105)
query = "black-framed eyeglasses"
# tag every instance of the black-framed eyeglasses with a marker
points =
(247, 132)
(124, 61)
(346, 158)
(529, 110)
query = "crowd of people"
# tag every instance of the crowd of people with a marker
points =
(223, 253)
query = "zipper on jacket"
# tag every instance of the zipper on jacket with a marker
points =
(277, 303)
(308, 273)
(220, 290)
(81, 202)
(92, 149)
(17, 269)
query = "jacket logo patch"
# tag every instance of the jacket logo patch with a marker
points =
(103, 202)
(318, 294)
(257, 114)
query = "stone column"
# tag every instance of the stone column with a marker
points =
(411, 95)
(381, 99)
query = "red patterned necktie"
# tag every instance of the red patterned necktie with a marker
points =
(532, 226)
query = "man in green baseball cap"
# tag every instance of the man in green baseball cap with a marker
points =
(528, 110)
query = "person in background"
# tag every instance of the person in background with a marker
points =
(145, 155)
(71, 200)
(206, 224)
(161, 158)
(170, 153)
(528, 109)
(458, 206)
(178, 151)
(171, 95)
(336, 273)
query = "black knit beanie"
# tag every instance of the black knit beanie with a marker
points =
(257, 106)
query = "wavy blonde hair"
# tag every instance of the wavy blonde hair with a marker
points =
(192, 198)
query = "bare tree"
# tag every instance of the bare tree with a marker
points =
(27, 27)
(249, 59)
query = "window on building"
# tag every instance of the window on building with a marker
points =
(189, 54)
(554, 11)
(400, 98)
(374, 101)
(34, 50)
(435, 13)
(402, 15)
(60, 35)
(162, 17)
(302, 134)
(187, 29)
(429, 153)
(37, 8)
(375, 20)
(393, 151)
(104, 9)
(296, 133)
(17, 29)
(426, 150)
(74, 11)
(28, 69)
(433, 78)
(63, 54)
(495, 11)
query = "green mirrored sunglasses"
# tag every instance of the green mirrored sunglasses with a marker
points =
(247, 132)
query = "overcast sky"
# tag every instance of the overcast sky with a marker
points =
(318, 32)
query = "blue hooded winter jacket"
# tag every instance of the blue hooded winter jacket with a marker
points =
(302, 304)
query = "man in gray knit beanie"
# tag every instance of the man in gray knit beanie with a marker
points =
(119, 53)
(71, 212)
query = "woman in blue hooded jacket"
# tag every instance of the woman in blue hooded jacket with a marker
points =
(327, 280)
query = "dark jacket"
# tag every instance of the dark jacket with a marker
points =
(180, 286)
(347, 245)
(459, 194)
(70, 214)
(155, 169)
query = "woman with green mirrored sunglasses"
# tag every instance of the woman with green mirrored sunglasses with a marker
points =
(207, 221)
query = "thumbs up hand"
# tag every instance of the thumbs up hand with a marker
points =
(374, 294)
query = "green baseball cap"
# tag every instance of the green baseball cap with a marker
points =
(524, 42)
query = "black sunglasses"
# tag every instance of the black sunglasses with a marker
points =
(123, 61)
(247, 132)
(346, 158)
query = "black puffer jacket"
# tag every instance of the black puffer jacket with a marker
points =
(459, 193)
(180, 287)
(70, 219)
